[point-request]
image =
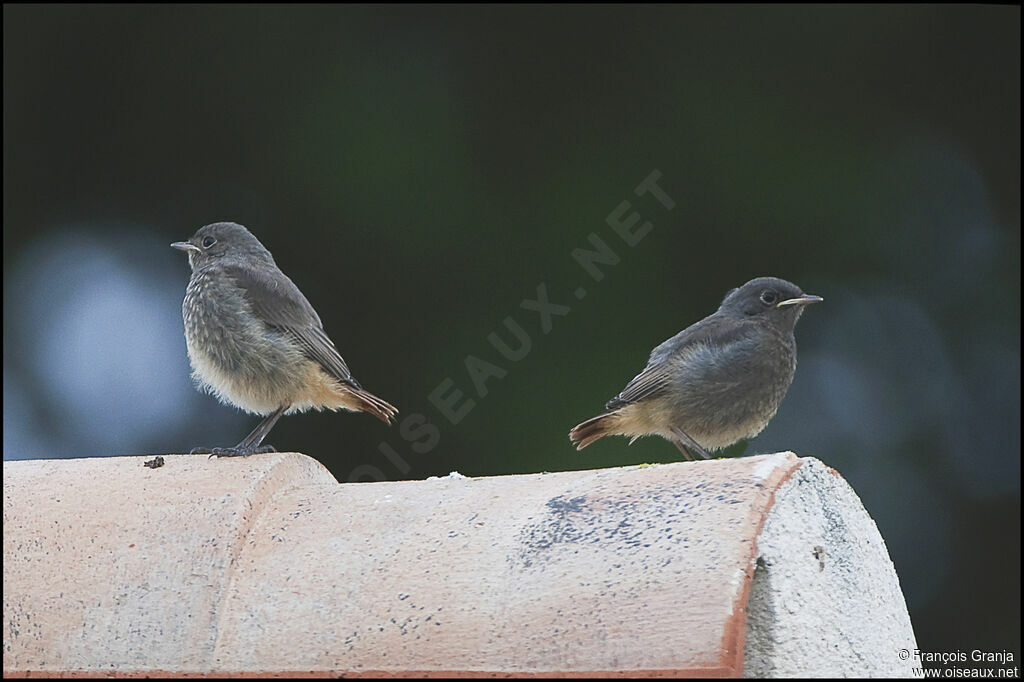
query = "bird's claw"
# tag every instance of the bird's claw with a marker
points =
(237, 451)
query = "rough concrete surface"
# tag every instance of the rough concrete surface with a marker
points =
(267, 566)
(112, 566)
(825, 599)
(591, 571)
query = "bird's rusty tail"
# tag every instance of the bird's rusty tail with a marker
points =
(602, 425)
(371, 404)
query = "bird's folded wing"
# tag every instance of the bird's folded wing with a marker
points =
(280, 304)
(702, 349)
(646, 383)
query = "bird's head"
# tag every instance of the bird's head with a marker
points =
(219, 241)
(769, 298)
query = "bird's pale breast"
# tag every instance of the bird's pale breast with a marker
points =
(233, 355)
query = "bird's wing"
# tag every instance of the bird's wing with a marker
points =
(648, 382)
(666, 358)
(280, 304)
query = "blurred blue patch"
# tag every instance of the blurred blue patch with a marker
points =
(96, 364)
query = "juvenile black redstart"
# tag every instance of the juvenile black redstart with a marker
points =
(716, 382)
(255, 342)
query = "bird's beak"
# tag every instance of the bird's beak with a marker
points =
(806, 299)
(186, 246)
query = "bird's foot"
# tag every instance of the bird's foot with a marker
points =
(237, 451)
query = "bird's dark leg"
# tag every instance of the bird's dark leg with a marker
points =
(687, 445)
(262, 429)
(682, 449)
(251, 443)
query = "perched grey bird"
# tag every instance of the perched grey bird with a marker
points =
(716, 382)
(255, 342)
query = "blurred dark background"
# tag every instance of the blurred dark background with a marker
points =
(420, 171)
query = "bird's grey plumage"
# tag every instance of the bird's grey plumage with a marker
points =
(280, 305)
(253, 338)
(719, 380)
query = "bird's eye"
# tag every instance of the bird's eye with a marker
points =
(208, 242)
(768, 297)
